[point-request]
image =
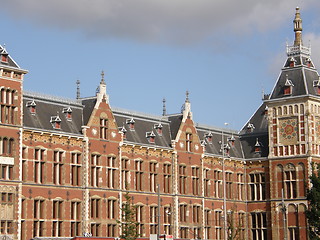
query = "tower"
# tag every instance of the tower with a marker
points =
(11, 77)
(294, 139)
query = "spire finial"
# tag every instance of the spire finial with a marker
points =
(78, 88)
(187, 96)
(102, 77)
(297, 22)
(164, 109)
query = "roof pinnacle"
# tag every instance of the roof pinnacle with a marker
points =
(187, 96)
(102, 77)
(297, 22)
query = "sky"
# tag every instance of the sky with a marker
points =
(226, 53)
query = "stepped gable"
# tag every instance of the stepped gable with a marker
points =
(139, 128)
(256, 130)
(211, 138)
(6, 59)
(49, 110)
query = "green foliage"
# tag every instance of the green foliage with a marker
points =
(313, 213)
(128, 223)
(234, 226)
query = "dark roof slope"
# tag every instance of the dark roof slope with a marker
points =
(302, 76)
(48, 107)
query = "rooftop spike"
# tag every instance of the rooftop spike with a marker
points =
(187, 96)
(102, 77)
(164, 109)
(78, 88)
(297, 28)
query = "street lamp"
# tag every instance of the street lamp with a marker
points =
(223, 148)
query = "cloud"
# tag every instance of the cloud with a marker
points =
(165, 21)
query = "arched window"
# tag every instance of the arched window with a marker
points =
(5, 146)
(10, 147)
(293, 226)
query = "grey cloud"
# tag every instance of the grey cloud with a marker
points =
(169, 21)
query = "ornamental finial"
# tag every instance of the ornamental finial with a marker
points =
(187, 96)
(297, 22)
(102, 77)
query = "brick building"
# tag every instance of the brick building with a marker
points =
(66, 163)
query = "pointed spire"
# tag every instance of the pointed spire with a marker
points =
(78, 88)
(164, 109)
(102, 77)
(187, 96)
(297, 28)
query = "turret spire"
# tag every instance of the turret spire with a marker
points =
(164, 109)
(78, 88)
(297, 28)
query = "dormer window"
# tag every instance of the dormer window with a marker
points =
(250, 127)
(316, 84)
(68, 113)
(56, 122)
(130, 122)
(31, 105)
(123, 130)
(232, 140)
(308, 62)
(158, 127)
(287, 90)
(257, 146)
(208, 137)
(150, 136)
(4, 58)
(292, 62)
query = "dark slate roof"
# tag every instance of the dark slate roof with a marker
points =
(175, 122)
(143, 124)
(214, 146)
(301, 75)
(49, 106)
(11, 62)
(88, 104)
(255, 129)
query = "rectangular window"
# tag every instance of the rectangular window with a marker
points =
(167, 177)
(103, 128)
(218, 224)
(39, 165)
(57, 167)
(229, 185)
(167, 220)
(57, 228)
(38, 228)
(138, 175)
(153, 220)
(75, 228)
(57, 209)
(75, 169)
(196, 214)
(183, 232)
(111, 172)
(217, 176)
(95, 229)
(182, 179)
(76, 210)
(257, 186)
(195, 180)
(111, 230)
(95, 170)
(95, 208)
(188, 142)
(259, 225)
(111, 211)
(6, 172)
(125, 173)
(206, 182)
(38, 209)
(240, 186)
(153, 177)
(183, 213)
(140, 219)
(290, 182)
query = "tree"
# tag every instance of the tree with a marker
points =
(128, 223)
(234, 226)
(313, 212)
